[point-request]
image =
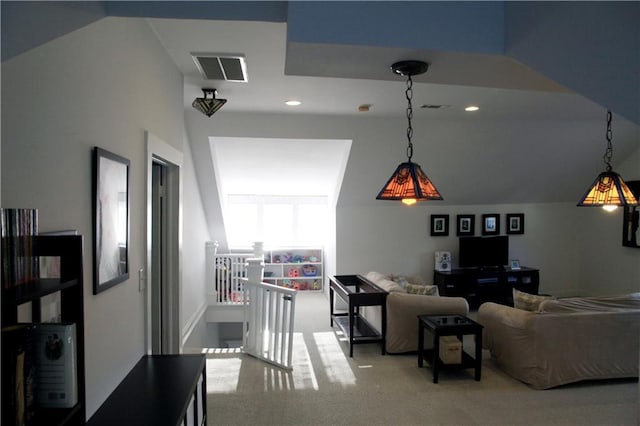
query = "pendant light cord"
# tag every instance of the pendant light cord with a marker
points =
(409, 95)
(608, 154)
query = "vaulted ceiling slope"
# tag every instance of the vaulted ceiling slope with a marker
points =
(592, 48)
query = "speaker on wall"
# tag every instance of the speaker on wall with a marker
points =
(443, 261)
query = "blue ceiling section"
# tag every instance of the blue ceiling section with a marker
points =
(471, 27)
(266, 11)
(26, 25)
(592, 48)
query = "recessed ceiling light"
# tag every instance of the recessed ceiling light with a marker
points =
(292, 102)
(471, 108)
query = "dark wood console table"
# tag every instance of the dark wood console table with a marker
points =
(487, 285)
(160, 390)
(357, 291)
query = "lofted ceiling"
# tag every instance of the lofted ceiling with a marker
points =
(336, 80)
(335, 57)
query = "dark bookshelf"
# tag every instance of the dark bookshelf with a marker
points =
(69, 248)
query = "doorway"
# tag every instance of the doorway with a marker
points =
(163, 314)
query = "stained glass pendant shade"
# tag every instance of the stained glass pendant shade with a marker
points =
(609, 189)
(208, 105)
(409, 183)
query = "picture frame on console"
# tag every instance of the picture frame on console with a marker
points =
(110, 219)
(439, 225)
(466, 224)
(515, 223)
(491, 224)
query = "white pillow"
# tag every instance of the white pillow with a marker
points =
(528, 302)
(375, 277)
(390, 286)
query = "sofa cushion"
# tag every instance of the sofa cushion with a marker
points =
(376, 277)
(428, 290)
(623, 302)
(528, 302)
(407, 279)
(390, 286)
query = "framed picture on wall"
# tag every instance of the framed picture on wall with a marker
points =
(631, 219)
(466, 225)
(491, 224)
(439, 225)
(110, 219)
(515, 223)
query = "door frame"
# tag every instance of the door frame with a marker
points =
(159, 151)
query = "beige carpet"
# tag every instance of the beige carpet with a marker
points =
(326, 387)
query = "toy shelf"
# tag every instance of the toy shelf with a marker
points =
(298, 268)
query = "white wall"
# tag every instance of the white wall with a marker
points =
(102, 85)
(391, 238)
(194, 234)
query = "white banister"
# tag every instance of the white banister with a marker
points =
(269, 313)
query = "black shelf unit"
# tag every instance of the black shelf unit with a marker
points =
(487, 285)
(70, 285)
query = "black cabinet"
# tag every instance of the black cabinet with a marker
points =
(485, 285)
(69, 250)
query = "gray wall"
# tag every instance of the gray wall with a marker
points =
(102, 85)
(567, 243)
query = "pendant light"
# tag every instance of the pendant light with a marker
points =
(608, 190)
(409, 183)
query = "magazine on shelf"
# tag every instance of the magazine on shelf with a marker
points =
(56, 365)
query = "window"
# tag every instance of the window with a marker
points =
(278, 221)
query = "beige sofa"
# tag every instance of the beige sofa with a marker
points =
(565, 340)
(404, 304)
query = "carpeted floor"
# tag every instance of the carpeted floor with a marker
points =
(326, 387)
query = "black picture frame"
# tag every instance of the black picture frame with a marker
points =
(110, 219)
(439, 225)
(465, 225)
(491, 224)
(515, 223)
(631, 219)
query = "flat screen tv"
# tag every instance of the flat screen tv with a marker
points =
(483, 252)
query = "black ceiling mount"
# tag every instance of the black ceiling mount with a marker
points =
(410, 67)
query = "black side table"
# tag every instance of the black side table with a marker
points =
(449, 325)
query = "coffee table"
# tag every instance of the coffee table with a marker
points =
(449, 325)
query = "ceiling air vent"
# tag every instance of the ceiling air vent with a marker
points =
(226, 67)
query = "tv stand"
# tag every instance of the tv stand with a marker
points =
(479, 285)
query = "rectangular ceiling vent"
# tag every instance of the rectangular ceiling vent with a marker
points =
(226, 67)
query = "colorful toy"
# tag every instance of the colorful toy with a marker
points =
(293, 272)
(309, 270)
